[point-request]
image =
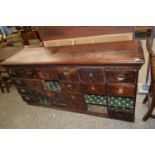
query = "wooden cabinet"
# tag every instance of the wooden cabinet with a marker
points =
(101, 82)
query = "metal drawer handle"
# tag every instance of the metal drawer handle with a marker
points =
(69, 86)
(23, 90)
(121, 77)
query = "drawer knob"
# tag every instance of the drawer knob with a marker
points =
(120, 90)
(93, 88)
(73, 97)
(23, 90)
(91, 75)
(121, 77)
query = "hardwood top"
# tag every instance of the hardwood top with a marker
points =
(126, 52)
(7, 52)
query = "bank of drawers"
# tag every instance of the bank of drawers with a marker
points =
(74, 82)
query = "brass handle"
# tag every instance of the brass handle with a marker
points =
(69, 86)
(121, 77)
(66, 73)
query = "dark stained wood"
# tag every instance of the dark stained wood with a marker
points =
(93, 88)
(121, 90)
(62, 32)
(91, 74)
(121, 76)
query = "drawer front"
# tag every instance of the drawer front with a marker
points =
(121, 90)
(70, 75)
(126, 116)
(14, 72)
(75, 101)
(25, 91)
(91, 75)
(28, 72)
(70, 87)
(121, 76)
(17, 81)
(46, 74)
(28, 98)
(35, 84)
(93, 88)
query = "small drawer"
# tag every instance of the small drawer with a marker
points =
(93, 88)
(70, 75)
(95, 75)
(17, 81)
(28, 98)
(126, 116)
(56, 96)
(121, 76)
(70, 87)
(27, 72)
(75, 101)
(121, 90)
(35, 84)
(46, 74)
(25, 91)
(40, 92)
(14, 72)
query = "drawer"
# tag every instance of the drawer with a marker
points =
(40, 92)
(121, 90)
(70, 75)
(46, 74)
(17, 81)
(126, 116)
(27, 72)
(95, 75)
(121, 76)
(57, 97)
(70, 87)
(25, 91)
(75, 101)
(93, 88)
(14, 72)
(28, 98)
(36, 84)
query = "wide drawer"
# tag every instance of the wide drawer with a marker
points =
(70, 75)
(70, 87)
(121, 76)
(95, 75)
(93, 88)
(121, 90)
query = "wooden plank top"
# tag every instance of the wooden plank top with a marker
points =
(126, 52)
(7, 52)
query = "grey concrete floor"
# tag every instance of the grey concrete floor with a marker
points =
(15, 113)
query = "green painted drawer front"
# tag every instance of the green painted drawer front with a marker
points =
(53, 85)
(121, 102)
(95, 99)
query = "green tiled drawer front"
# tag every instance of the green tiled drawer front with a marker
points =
(44, 101)
(121, 102)
(53, 85)
(95, 99)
